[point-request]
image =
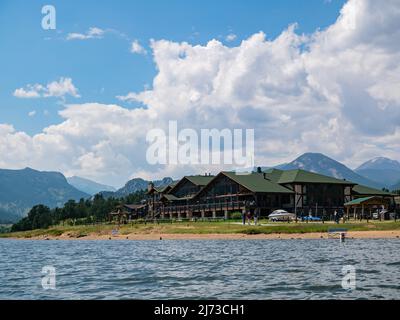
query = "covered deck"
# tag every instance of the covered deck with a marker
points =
(127, 212)
(203, 210)
(362, 208)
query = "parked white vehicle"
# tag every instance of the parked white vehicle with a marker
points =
(281, 215)
(382, 214)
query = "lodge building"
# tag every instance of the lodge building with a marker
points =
(298, 191)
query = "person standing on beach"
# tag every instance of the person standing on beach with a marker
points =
(256, 215)
(336, 217)
(342, 215)
(245, 211)
(249, 218)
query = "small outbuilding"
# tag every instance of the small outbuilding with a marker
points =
(126, 212)
(363, 207)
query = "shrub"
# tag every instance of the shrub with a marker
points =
(235, 216)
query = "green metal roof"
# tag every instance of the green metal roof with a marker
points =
(302, 176)
(364, 190)
(255, 182)
(199, 180)
(161, 189)
(358, 201)
(196, 180)
(170, 197)
(273, 174)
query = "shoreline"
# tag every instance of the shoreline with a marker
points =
(395, 234)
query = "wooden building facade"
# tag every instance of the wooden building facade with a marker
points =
(223, 194)
(127, 212)
(315, 194)
(297, 191)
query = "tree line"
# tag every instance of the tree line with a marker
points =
(85, 211)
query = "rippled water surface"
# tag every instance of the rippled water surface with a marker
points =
(259, 269)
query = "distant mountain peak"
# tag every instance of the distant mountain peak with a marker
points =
(319, 154)
(137, 184)
(383, 170)
(379, 159)
(322, 164)
(88, 186)
(20, 190)
(380, 163)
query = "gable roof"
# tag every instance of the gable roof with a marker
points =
(255, 182)
(199, 180)
(159, 189)
(302, 176)
(358, 201)
(162, 189)
(364, 190)
(373, 200)
(273, 174)
(196, 180)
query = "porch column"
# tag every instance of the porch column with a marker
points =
(214, 214)
(362, 212)
(226, 214)
(203, 214)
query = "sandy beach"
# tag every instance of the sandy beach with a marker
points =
(233, 236)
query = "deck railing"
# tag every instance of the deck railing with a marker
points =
(203, 207)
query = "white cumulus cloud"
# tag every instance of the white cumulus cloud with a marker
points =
(137, 48)
(231, 37)
(60, 88)
(92, 33)
(335, 91)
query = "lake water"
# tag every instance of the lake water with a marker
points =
(259, 269)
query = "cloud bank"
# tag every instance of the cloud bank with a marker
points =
(335, 91)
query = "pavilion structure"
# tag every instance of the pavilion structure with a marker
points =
(363, 207)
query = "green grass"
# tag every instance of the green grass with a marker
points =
(204, 228)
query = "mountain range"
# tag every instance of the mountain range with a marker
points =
(383, 170)
(376, 173)
(20, 190)
(134, 185)
(88, 186)
(319, 163)
(396, 186)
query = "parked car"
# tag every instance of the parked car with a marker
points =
(384, 214)
(310, 218)
(281, 215)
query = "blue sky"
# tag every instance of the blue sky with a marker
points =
(101, 70)
(82, 99)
